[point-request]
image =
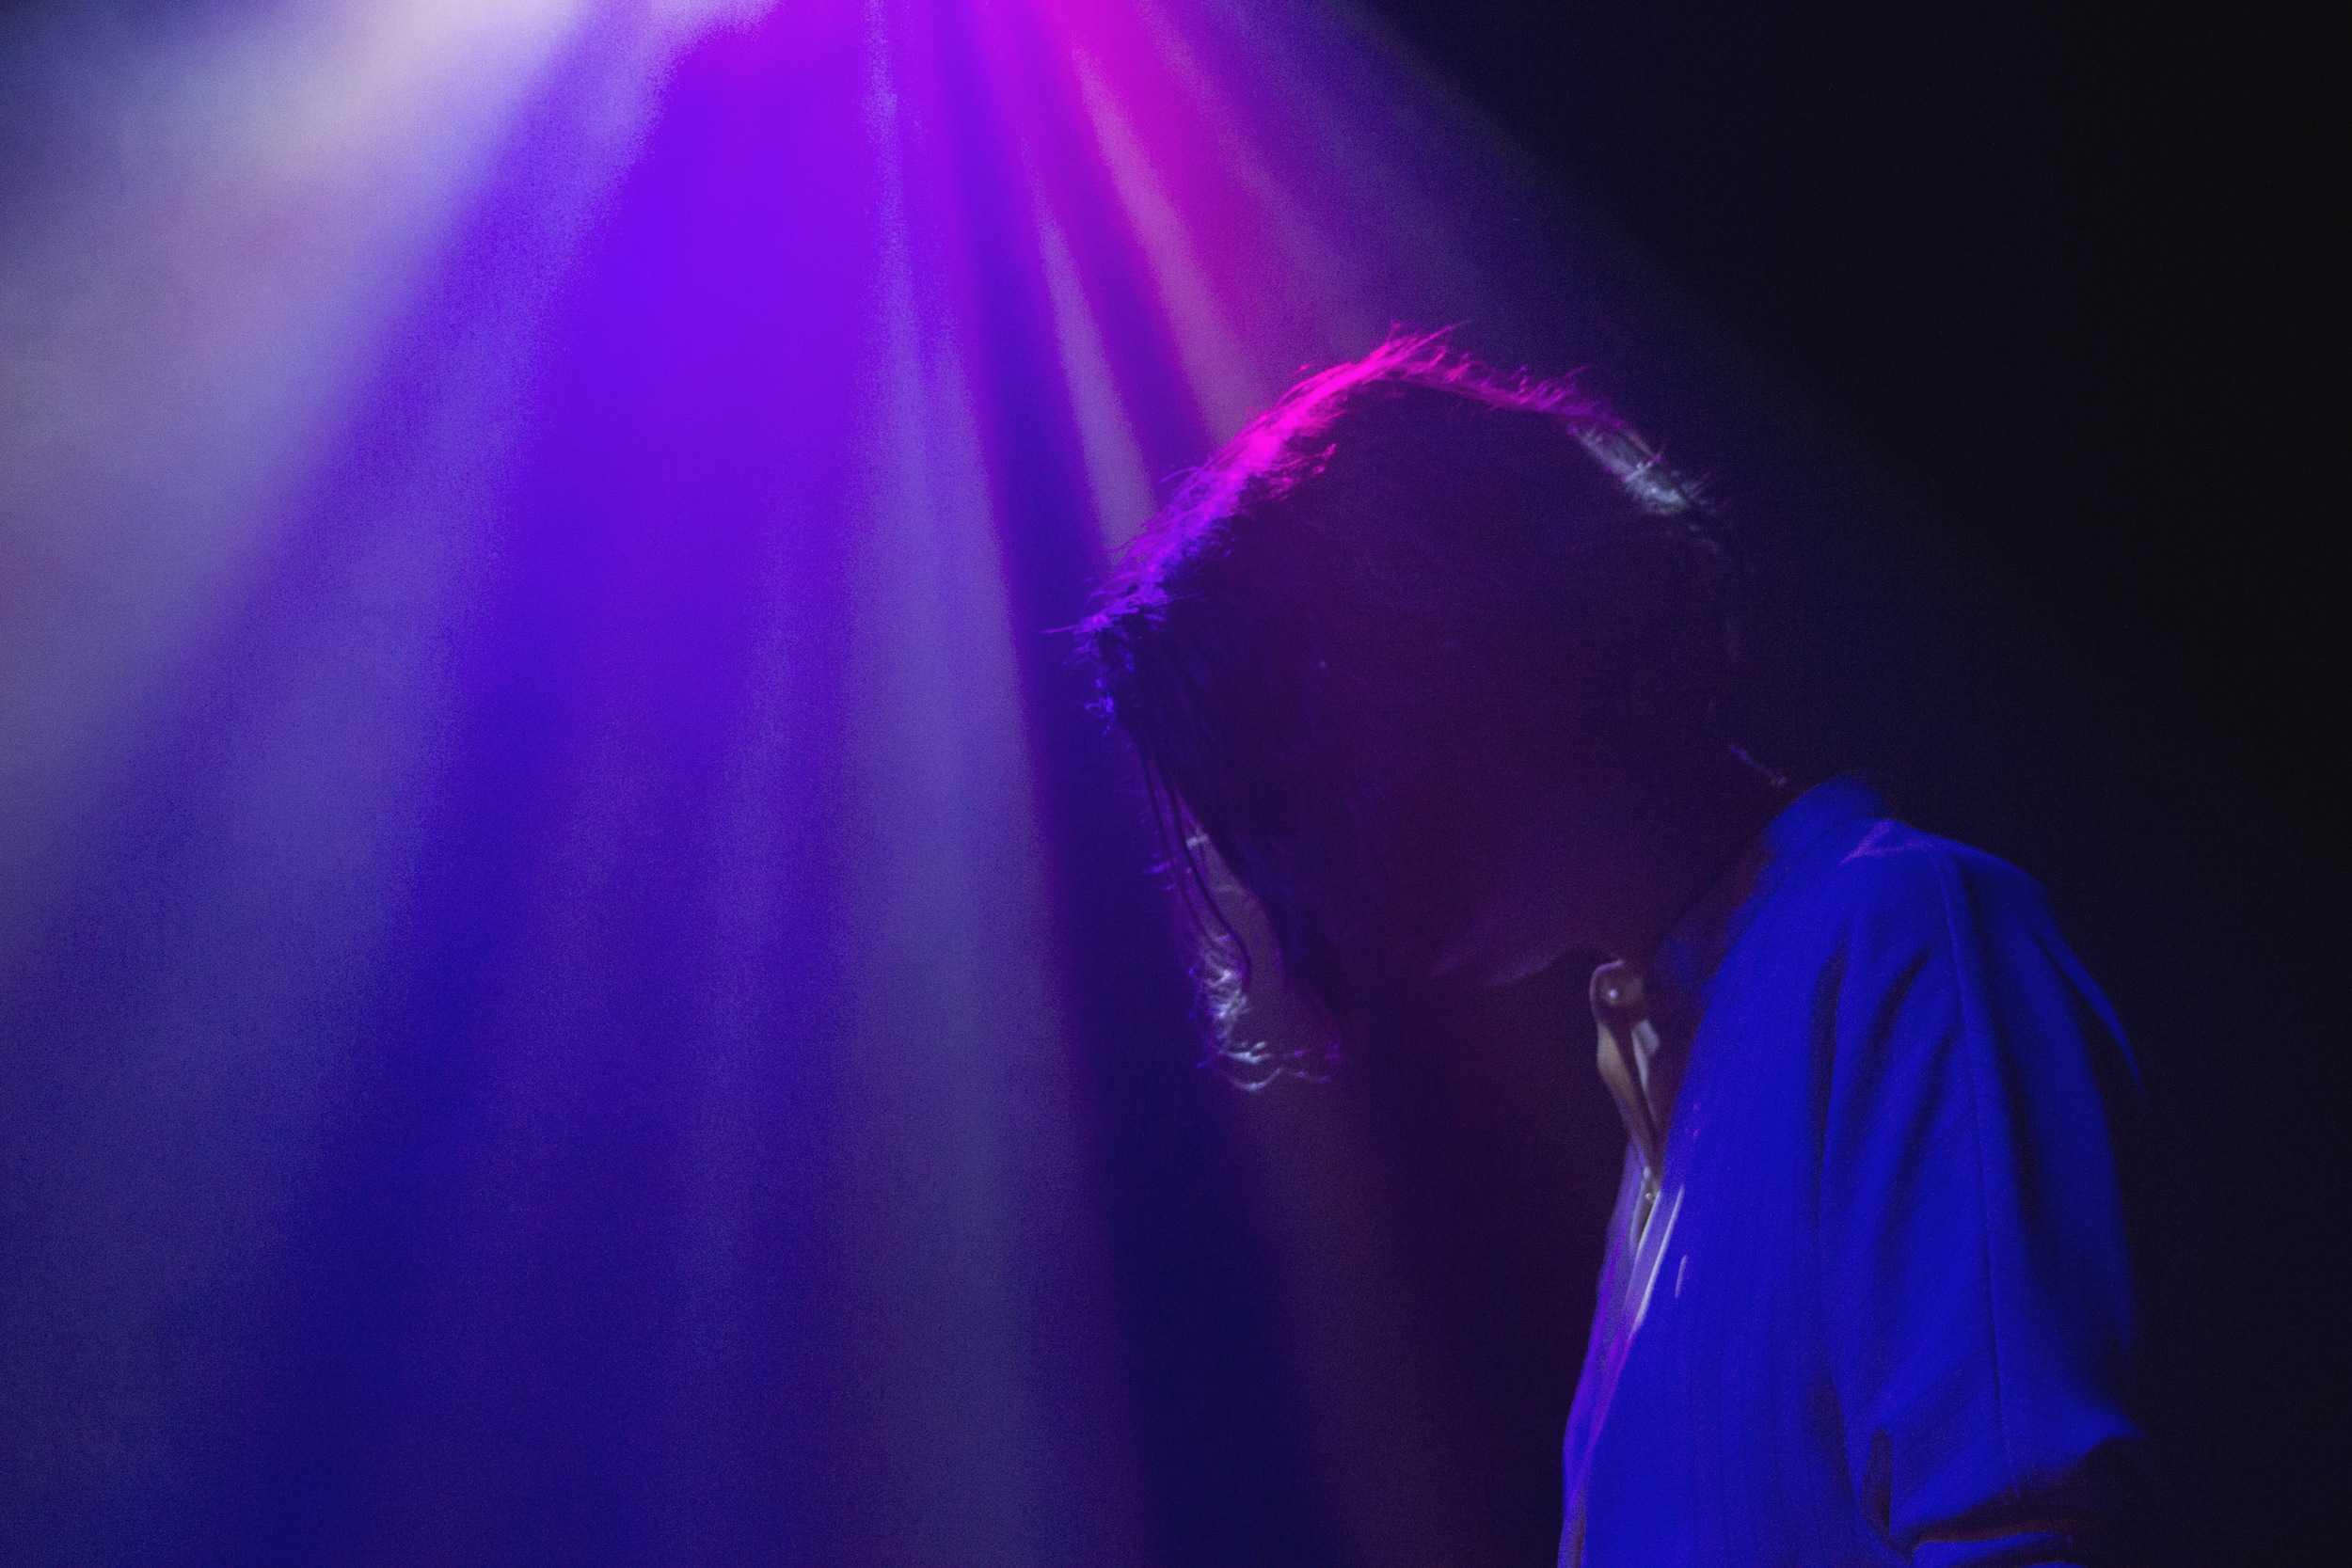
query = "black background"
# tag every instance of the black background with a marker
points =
(2050, 263)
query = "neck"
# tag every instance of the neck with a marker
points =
(1683, 838)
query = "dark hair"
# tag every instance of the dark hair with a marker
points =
(1407, 559)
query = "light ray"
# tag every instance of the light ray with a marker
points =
(560, 876)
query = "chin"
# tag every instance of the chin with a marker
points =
(1491, 969)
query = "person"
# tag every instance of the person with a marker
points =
(1436, 663)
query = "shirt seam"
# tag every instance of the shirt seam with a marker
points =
(1976, 1030)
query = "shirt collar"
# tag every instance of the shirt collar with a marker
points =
(1645, 1015)
(1686, 959)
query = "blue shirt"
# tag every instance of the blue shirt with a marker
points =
(1865, 1298)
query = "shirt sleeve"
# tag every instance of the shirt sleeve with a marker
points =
(1971, 1257)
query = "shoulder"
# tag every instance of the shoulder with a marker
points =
(1895, 880)
(1900, 918)
(1925, 937)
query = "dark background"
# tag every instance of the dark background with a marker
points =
(2050, 264)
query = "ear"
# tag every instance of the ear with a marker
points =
(1660, 640)
(1669, 589)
